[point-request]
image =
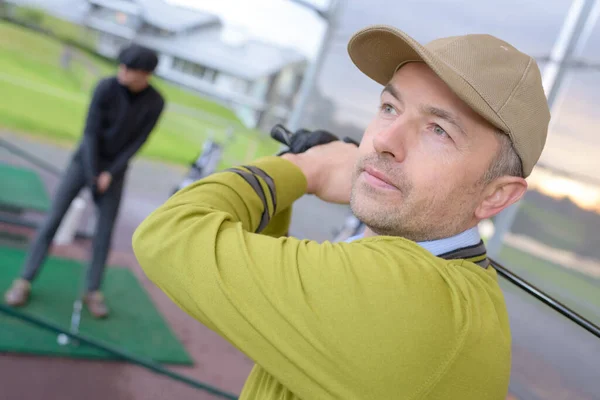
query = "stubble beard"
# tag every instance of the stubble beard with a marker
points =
(403, 215)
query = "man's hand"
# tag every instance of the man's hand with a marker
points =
(103, 181)
(328, 169)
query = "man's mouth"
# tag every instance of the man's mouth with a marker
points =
(378, 179)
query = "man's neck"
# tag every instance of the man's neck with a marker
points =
(133, 89)
(138, 89)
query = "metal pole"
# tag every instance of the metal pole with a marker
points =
(570, 37)
(312, 72)
(31, 158)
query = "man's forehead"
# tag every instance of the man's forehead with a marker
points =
(435, 92)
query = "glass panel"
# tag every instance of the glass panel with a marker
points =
(553, 358)
(555, 239)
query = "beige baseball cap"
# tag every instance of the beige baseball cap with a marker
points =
(499, 82)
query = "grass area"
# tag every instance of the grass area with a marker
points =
(42, 98)
(555, 229)
(574, 289)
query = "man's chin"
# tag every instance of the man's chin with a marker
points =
(370, 206)
(382, 197)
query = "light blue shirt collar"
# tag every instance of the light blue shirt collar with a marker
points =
(470, 237)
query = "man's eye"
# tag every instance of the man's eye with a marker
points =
(438, 130)
(387, 109)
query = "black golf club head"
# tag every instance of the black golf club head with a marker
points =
(281, 134)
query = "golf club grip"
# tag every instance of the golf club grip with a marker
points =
(347, 139)
(303, 139)
(281, 134)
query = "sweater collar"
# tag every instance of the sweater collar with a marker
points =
(468, 238)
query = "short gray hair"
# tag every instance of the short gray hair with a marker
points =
(506, 161)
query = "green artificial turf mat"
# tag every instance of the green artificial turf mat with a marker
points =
(133, 325)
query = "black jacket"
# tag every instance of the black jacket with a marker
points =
(117, 125)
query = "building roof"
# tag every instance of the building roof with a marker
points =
(174, 18)
(156, 12)
(162, 14)
(70, 10)
(249, 60)
(128, 6)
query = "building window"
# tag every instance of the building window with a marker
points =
(211, 75)
(195, 70)
(155, 31)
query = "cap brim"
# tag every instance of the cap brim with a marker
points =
(378, 51)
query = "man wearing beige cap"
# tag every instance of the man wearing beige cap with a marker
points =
(411, 310)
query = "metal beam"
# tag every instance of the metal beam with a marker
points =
(311, 75)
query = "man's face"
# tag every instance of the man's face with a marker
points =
(132, 78)
(422, 160)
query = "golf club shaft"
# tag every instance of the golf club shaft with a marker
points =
(78, 303)
(546, 298)
(76, 316)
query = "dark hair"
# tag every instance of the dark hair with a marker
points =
(138, 57)
(506, 161)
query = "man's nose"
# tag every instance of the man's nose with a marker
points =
(395, 138)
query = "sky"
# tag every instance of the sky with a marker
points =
(530, 25)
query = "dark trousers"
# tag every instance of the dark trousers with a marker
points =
(107, 208)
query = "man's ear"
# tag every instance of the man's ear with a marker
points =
(499, 194)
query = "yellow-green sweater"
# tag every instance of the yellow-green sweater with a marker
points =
(379, 318)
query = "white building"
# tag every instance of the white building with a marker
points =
(258, 80)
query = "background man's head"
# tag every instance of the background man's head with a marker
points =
(462, 122)
(136, 65)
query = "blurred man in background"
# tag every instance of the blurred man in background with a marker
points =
(411, 310)
(123, 112)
